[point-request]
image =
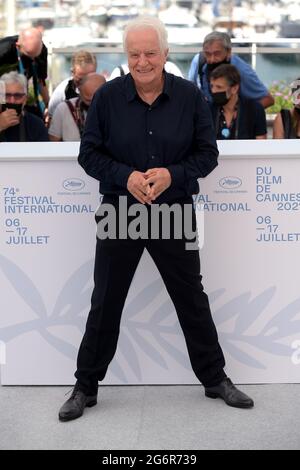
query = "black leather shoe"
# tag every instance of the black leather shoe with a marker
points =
(73, 408)
(230, 394)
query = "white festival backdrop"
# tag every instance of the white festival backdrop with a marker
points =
(249, 261)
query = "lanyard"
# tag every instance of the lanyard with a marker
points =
(20, 63)
(77, 114)
(37, 89)
(236, 130)
(36, 85)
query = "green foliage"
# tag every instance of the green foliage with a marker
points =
(31, 100)
(281, 92)
(30, 96)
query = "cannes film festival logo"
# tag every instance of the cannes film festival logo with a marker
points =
(230, 182)
(156, 221)
(73, 184)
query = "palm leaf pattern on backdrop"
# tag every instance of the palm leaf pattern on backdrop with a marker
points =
(153, 334)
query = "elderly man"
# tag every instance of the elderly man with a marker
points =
(169, 67)
(217, 51)
(27, 54)
(148, 138)
(83, 63)
(69, 118)
(17, 125)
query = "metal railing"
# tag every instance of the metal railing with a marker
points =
(276, 46)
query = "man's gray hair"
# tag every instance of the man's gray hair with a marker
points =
(146, 22)
(15, 78)
(224, 38)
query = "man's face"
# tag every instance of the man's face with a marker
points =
(215, 52)
(14, 93)
(146, 60)
(89, 88)
(87, 92)
(218, 85)
(15, 99)
(80, 71)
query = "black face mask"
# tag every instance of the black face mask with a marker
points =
(220, 98)
(17, 107)
(211, 67)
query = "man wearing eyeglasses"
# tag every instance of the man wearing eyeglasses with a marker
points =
(16, 124)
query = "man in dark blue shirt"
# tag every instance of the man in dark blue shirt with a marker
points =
(148, 137)
(217, 50)
(124, 133)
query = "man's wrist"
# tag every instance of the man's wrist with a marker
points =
(169, 173)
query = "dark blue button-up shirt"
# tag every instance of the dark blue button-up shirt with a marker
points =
(123, 134)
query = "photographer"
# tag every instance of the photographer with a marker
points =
(16, 124)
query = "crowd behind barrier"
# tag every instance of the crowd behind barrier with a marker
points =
(27, 54)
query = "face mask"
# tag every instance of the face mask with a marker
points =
(220, 98)
(17, 107)
(211, 67)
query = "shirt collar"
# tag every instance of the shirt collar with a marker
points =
(131, 92)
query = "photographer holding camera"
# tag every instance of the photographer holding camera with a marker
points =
(16, 124)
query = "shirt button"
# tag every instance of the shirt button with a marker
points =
(150, 132)
(149, 109)
(152, 157)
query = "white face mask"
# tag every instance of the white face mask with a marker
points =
(295, 86)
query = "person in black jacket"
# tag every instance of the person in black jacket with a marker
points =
(17, 124)
(148, 138)
(234, 116)
(27, 54)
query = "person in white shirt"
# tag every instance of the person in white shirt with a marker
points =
(69, 117)
(83, 63)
